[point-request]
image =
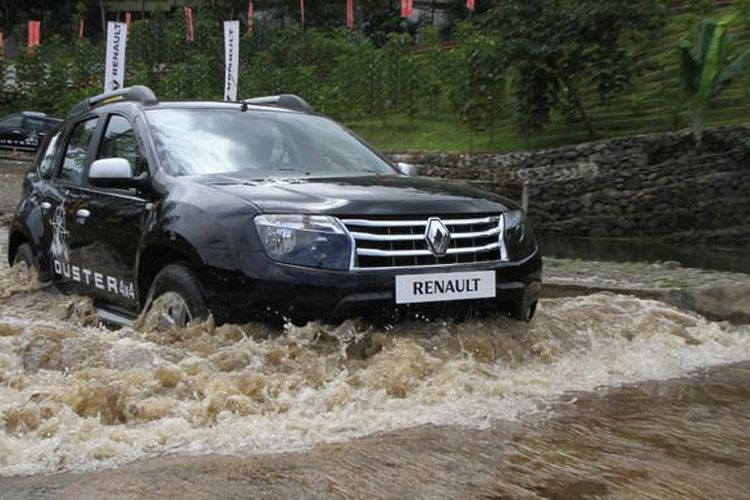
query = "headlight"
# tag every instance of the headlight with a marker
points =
(514, 224)
(305, 240)
(519, 237)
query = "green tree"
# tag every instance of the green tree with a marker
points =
(398, 73)
(477, 79)
(432, 70)
(707, 67)
(354, 73)
(560, 47)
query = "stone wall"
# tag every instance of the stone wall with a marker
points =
(641, 186)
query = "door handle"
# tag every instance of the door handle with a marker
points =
(46, 205)
(82, 216)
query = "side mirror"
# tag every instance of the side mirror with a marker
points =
(113, 173)
(407, 169)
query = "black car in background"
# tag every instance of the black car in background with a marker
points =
(258, 209)
(26, 130)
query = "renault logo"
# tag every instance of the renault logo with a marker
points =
(438, 237)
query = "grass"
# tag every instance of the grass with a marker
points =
(401, 133)
(651, 105)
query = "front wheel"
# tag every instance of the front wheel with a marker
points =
(24, 257)
(176, 299)
(24, 261)
(523, 312)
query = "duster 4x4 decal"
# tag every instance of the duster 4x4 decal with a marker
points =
(59, 247)
(62, 266)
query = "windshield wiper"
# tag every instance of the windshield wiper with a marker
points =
(282, 170)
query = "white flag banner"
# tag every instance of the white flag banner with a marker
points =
(114, 72)
(231, 58)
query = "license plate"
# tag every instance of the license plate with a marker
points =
(438, 287)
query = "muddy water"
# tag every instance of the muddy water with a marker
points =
(679, 438)
(77, 397)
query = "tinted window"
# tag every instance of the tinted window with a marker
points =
(119, 141)
(259, 144)
(13, 121)
(47, 163)
(38, 125)
(75, 153)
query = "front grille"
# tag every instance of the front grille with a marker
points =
(394, 242)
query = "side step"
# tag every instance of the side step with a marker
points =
(113, 318)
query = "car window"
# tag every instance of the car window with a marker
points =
(75, 152)
(119, 141)
(38, 125)
(47, 163)
(13, 121)
(259, 144)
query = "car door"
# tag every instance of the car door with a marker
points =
(46, 196)
(116, 217)
(66, 200)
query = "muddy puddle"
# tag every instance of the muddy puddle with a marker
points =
(75, 396)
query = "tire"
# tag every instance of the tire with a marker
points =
(24, 255)
(175, 287)
(524, 313)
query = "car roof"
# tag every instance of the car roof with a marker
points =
(215, 105)
(39, 114)
(132, 107)
(34, 114)
(139, 97)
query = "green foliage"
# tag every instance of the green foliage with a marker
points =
(477, 79)
(400, 76)
(559, 46)
(433, 67)
(707, 67)
(546, 67)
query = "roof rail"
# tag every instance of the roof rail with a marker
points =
(137, 93)
(287, 101)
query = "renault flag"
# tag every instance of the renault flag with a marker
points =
(33, 35)
(407, 8)
(350, 14)
(250, 15)
(231, 58)
(188, 23)
(114, 72)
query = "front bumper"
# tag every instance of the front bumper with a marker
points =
(266, 290)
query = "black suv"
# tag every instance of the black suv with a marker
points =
(258, 209)
(25, 130)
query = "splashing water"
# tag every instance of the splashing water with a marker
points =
(75, 396)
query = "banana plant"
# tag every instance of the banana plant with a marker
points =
(708, 68)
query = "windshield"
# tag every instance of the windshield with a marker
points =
(259, 144)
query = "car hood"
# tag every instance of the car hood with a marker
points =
(363, 195)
